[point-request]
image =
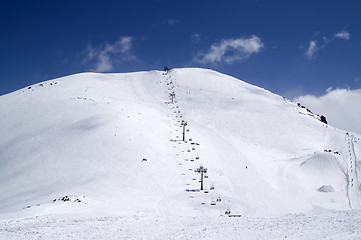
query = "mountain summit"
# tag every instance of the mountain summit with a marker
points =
(132, 143)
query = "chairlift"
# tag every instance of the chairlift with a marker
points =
(213, 203)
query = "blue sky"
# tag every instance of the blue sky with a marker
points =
(292, 48)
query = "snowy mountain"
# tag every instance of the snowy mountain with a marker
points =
(113, 144)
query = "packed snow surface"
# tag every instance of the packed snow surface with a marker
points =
(318, 225)
(109, 147)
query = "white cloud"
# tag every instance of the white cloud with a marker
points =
(230, 50)
(316, 45)
(312, 50)
(103, 57)
(341, 107)
(342, 35)
(328, 90)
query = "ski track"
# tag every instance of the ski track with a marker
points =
(188, 158)
(353, 193)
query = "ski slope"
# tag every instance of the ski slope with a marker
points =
(113, 144)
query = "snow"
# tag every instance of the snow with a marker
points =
(112, 145)
(319, 225)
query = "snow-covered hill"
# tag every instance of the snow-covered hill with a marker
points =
(112, 144)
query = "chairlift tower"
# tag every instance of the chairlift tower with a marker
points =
(184, 124)
(201, 170)
(172, 95)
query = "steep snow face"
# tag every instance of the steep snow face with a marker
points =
(113, 144)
